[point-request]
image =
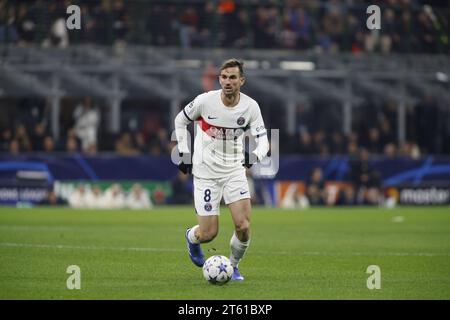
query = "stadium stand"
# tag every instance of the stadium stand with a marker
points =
(329, 85)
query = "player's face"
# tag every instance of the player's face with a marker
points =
(231, 80)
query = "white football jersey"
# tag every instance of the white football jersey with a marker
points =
(219, 131)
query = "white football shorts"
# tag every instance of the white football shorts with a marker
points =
(208, 192)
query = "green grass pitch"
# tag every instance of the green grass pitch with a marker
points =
(320, 253)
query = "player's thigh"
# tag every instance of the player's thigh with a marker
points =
(237, 196)
(207, 196)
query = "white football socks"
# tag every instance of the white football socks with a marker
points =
(191, 235)
(238, 249)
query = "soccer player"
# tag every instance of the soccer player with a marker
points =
(219, 160)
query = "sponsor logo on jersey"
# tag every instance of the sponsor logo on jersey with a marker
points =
(220, 132)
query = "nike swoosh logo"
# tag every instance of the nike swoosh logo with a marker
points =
(244, 192)
(210, 118)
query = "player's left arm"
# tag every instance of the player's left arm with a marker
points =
(262, 147)
(258, 130)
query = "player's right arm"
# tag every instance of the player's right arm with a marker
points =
(190, 112)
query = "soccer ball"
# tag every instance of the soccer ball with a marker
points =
(217, 270)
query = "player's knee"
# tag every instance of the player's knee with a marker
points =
(242, 226)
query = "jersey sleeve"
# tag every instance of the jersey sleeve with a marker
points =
(193, 110)
(189, 113)
(257, 127)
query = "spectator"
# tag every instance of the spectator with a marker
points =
(59, 34)
(49, 144)
(209, 77)
(305, 146)
(388, 37)
(266, 27)
(159, 195)
(390, 151)
(5, 140)
(346, 196)
(87, 120)
(374, 144)
(14, 147)
(125, 145)
(22, 138)
(138, 198)
(189, 20)
(365, 179)
(315, 189)
(182, 189)
(77, 199)
(26, 25)
(72, 145)
(114, 198)
(37, 138)
(95, 199)
(52, 200)
(410, 149)
(298, 20)
(160, 143)
(337, 143)
(140, 142)
(120, 22)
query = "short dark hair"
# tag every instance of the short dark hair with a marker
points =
(230, 63)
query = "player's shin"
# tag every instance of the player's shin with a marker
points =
(238, 249)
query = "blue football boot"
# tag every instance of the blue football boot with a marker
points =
(195, 251)
(236, 275)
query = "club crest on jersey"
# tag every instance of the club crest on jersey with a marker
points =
(241, 121)
(208, 207)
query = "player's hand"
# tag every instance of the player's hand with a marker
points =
(186, 168)
(247, 163)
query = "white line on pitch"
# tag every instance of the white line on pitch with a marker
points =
(293, 253)
(63, 246)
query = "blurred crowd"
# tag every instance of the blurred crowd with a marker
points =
(326, 26)
(375, 129)
(362, 185)
(93, 197)
(28, 129)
